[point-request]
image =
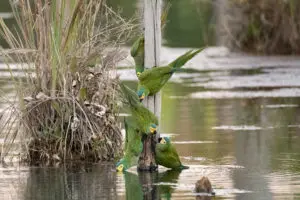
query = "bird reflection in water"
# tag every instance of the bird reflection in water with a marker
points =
(154, 186)
(168, 180)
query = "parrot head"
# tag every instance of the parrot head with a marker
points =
(152, 128)
(164, 140)
(121, 166)
(142, 93)
(138, 73)
(163, 144)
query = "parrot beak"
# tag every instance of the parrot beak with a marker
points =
(162, 141)
(120, 168)
(142, 98)
(153, 130)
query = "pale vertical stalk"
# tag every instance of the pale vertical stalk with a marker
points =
(152, 13)
(152, 26)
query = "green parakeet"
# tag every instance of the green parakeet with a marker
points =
(166, 154)
(126, 162)
(133, 138)
(133, 147)
(142, 118)
(152, 80)
(137, 52)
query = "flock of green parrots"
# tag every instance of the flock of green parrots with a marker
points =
(143, 121)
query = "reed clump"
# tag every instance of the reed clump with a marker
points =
(67, 104)
(266, 26)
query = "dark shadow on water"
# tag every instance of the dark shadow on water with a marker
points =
(147, 180)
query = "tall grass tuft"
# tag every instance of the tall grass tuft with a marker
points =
(66, 105)
(265, 26)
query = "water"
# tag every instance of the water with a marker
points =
(233, 118)
(239, 126)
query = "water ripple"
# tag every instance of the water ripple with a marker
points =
(194, 142)
(280, 106)
(284, 92)
(237, 128)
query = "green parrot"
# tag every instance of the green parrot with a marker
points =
(133, 147)
(133, 138)
(166, 154)
(126, 162)
(142, 119)
(137, 52)
(152, 80)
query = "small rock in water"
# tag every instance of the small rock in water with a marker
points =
(204, 186)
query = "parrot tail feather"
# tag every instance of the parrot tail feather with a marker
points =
(184, 167)
(176, 70)
(131, 97)
(181, 60)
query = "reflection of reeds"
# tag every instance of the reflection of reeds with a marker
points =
(67, 110)
(74, 181)
(268, 26)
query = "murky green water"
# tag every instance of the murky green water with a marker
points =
(245, 141)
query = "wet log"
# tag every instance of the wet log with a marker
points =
(147, 157)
